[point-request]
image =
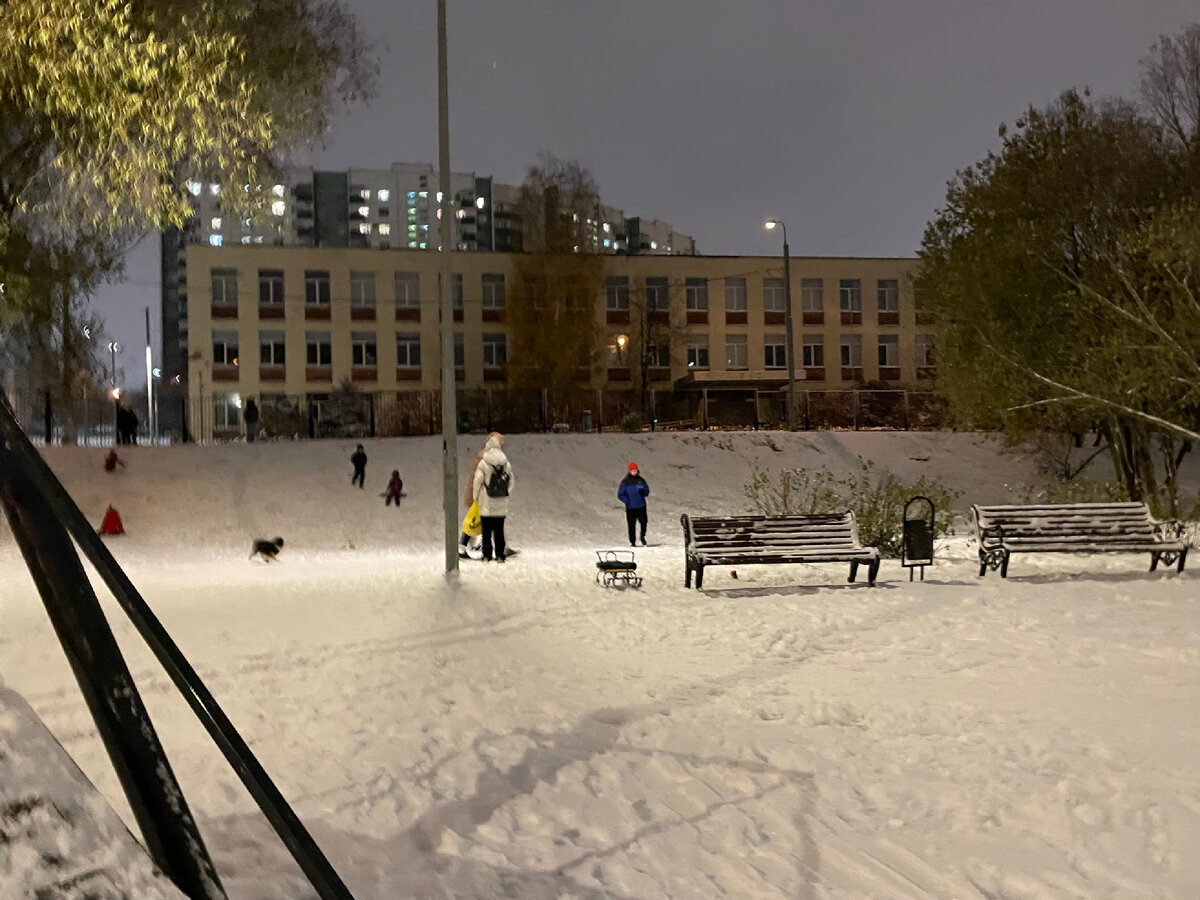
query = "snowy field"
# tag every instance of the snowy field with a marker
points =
(526, 733)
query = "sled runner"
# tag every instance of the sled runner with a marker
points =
(617, 567)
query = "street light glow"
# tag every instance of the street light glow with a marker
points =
(770, 224)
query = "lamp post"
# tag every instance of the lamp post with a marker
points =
(787, 319)
(116, 394)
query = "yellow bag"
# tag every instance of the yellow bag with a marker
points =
(472, 525)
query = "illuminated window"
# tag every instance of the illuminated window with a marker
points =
(278, 207)
(215, 240)
(364, 210)
(215, 223)
(194, 188)
(385, 228)
(277, 190)
(383, 195)
(365, 194)
(364, 227)
(214, 190)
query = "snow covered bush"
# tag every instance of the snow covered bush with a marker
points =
(876, 497)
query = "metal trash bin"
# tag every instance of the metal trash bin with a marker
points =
(587, 420)
(917, 544)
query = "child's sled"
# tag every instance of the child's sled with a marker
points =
(617, 567)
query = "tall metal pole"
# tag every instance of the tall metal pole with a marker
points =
(149, 381)
(449, 388)
(791, 347)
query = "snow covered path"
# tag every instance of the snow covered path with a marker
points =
(783, 735)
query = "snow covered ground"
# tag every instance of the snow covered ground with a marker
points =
(526, 733)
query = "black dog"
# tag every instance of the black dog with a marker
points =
(268, 550)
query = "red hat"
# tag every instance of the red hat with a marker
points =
(633, 467)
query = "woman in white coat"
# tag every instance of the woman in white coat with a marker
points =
(492, 485)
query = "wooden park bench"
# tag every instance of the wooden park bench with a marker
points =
(761, 540)
(1075, 528)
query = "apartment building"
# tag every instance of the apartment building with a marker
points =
(381, 209)
(290, 324)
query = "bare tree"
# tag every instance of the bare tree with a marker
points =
(1170, 85)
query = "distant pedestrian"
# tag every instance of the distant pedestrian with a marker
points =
(127, 425)
(492, 485)
(633, 492)
(112, 461)
(250, 415)
(395, 489)
(359, 461)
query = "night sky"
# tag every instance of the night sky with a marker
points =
(843, 119)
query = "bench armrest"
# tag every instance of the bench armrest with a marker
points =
(991, 536)
(1168, 530)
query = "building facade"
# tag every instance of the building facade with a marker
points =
(288, 325)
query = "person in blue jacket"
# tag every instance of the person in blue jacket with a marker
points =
(633, 492)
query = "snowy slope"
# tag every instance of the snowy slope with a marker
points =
(524, 732)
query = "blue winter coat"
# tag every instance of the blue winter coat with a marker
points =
(633, 491)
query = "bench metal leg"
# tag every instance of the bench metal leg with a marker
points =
(874, 570)
(1004, 566)
(1182, 559)
(1154, 560)
(687, 575)
(853, 572)
(699, 577)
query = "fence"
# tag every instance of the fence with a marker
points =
(353, 414)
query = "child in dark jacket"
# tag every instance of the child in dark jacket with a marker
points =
(633, 492)
(395, 487)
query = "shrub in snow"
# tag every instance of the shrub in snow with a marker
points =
(876, 497)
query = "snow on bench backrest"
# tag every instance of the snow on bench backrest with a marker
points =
(833, 530)
(1068, 523)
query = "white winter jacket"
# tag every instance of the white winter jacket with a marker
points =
(492, 456)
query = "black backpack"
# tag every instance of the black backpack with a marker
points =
(497, 485)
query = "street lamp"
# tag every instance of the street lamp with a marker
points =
(770, 225)
(113, 347)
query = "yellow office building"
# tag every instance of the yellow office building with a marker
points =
(292, 325)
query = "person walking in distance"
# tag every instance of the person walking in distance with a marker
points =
(359, 461)
(633, 492)
(492, 485)
(250, 415)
